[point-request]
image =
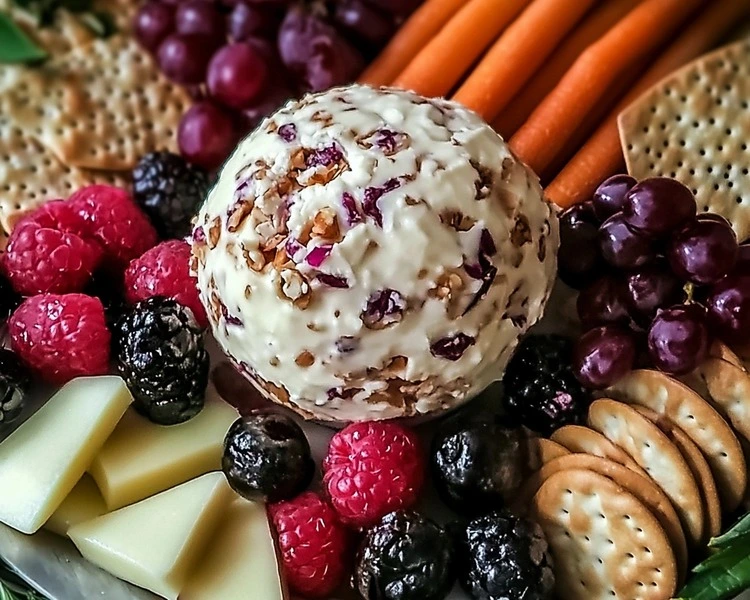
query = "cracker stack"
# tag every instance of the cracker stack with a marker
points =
(694, 126)
(85, 116)
(645, 484)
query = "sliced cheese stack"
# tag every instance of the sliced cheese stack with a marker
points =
(155, 543)
(141, 458)
(240, 561)
(84, 503)
(41, 462)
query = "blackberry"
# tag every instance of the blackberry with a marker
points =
(267, 457)
(501, 556)
(477, 466)
(405, 557)
(541, 391)
(170, 191)
(160, 355)
(9, 300)
(15, 382)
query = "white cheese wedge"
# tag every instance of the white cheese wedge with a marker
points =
(84, 503)
(240, 562)
(156, 542)
(41, 462)
(141, 459)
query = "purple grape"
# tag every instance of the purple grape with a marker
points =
(602, 303)
(603, 356)
(678, 339)
(364, 21)
(315, 52)
(203, 18)
(743, 259)
(728, 304)
(703, 252)
(206, 135)
(579, 259)
(651, 288)
(707, 216)
(609, 197)
(246, 21)
(658, 206)
(152, 24)
(622, 246)
(184, 58)
(236, 75)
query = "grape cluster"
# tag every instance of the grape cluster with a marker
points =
(241, 59)
(656, 280)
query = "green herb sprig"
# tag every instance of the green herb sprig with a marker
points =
(726, 572)
(12, 588)
(15, 45)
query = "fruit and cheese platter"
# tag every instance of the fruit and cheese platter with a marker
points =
(374, 299)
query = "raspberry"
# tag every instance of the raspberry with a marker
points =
(40, 259)
(313, 544)
(372, 469)
(165, 271)
(61, 336)
(115, 221)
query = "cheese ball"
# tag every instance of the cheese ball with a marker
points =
(372, 254)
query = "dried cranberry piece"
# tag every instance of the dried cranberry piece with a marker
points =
(324, 157)
(452, 347)
(373, 194)
(488, 274)
(384, 308)
(230, 318)
(388, 141)
(353, 215)
(487, 244)
(292, 246)
(333, 281)
(317, 255)
(287, 132)
(346, 344)
(199, 235)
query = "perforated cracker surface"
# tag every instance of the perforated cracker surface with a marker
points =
(695, 126)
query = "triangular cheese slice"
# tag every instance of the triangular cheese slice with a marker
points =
(141, 458)
(240, 561)
(154, 543)
(44, 458)
(84, 503)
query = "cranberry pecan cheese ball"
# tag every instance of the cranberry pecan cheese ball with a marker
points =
(370, 254)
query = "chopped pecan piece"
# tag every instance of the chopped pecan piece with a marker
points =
(214, 232)
(294, 287)
(305, 359)
(254, 258)
(241, 212)
(521, 233)
(326, 226)
(457, 220)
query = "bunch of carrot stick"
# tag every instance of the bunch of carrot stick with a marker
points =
(552, 75)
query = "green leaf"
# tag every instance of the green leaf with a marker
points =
(728, 576)
(741, 528)
(16, 46)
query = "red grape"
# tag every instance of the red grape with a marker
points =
(206, 135)
(703, 252)
(622, 246)
(728, 304)
(658, 205)
(153, 22)
(247, 20)
(609, 197)
(316, 52)
(364, 21)
(678, 339)
(602, 302)
(603, 356)
(184, 58)
(707, 216)
(201, 17)
(579, 260)
(651, 288)
(236, 75)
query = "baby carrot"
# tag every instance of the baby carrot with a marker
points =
(567, 107)
(591, 29)
(410, 39)
(443, 62)
(519, 52)
(601, 156)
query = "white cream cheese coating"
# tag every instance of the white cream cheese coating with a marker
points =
(370, 254)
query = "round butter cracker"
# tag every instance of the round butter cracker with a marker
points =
(652, 450)
(698, 419)
(605, 543)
